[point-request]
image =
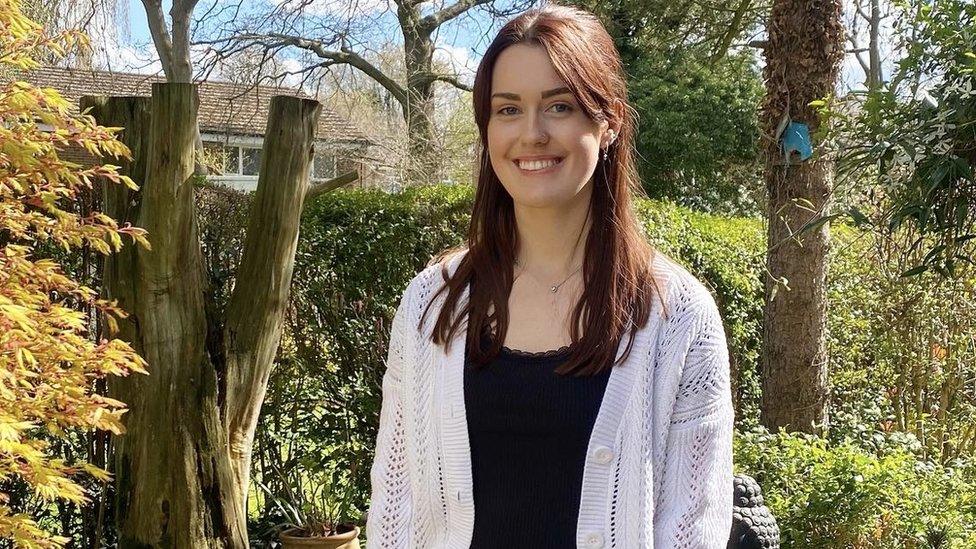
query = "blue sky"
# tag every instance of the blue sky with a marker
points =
(461, 41)
(138, 28)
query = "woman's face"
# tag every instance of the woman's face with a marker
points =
(542, 145)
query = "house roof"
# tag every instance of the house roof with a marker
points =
(225, 107)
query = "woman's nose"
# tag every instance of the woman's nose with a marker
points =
(534, 131)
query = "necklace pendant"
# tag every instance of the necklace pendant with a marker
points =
(553, 289)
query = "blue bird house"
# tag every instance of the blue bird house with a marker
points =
(796, 139)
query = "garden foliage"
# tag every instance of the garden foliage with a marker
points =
(907, 150)
(49, 359)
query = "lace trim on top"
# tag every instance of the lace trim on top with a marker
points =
(564, 350)
(537, 354)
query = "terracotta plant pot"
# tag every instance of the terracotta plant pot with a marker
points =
(292, 539)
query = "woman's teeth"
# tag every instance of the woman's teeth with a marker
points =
(533, 165)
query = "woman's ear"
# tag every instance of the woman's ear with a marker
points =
(613, 123)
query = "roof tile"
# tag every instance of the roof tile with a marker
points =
(225, 107)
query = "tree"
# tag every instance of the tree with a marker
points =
(195, 418)
(172, 41)
(698, 134)
(803, 54)
(710, 29)
(696, 91)
(355, 96)
(329, 39)
(182, 475)
(102, 22)
(48, 360)
(907, 146)
(871, 17)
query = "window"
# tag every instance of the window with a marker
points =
(324, 166)
(224, 160)
(251, 160)
(232, 160)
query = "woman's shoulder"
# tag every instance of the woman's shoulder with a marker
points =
(440, 266)
(683, 292)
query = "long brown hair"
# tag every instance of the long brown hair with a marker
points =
(617, 279)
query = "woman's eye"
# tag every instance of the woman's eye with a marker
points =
(567, 108)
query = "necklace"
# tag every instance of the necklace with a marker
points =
(555, 288)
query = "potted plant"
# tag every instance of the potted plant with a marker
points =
(316, 507)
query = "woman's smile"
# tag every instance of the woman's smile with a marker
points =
(539, 167)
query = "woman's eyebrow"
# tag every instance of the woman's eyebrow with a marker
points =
(545, 94)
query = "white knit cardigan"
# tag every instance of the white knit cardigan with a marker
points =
(658, 471)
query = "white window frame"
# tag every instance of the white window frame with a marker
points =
(239, 142)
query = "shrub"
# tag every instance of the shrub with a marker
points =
(48, 360)
(841, 496)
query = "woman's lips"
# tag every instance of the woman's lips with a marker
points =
(543, 171)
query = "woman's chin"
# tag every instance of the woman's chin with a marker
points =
(543, 198)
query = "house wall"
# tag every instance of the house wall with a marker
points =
(344, 159)
(238, 156)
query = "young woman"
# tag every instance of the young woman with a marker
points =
(556, 382)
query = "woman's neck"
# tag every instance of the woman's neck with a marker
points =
(552, 241)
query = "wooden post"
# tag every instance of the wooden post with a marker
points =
(255, 312)
(174, 477)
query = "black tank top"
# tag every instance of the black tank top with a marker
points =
(529, 428)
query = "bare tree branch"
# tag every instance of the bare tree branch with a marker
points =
(330, 185)
(344, 55)
(436, 19)
(452, 80)
(180, 14)
(160, 34)
(856, 50)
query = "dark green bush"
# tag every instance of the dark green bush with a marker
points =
(828, 496)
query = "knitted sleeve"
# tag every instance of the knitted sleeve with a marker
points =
(388, 517)
(694, 510)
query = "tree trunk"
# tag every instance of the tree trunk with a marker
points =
(174, 479)
(874, 46)
(119, 202)
(803, 55)
(182, 467)
(423, 165)
(256, 309)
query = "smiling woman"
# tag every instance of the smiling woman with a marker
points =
(543, 145)
(571, 388)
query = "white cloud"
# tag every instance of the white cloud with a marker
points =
(127, 58)
(292, 65)
(459, 59)
(116, 56)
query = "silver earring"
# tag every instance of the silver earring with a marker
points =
(605, 154)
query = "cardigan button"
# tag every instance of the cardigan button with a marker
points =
(594, 539)
(602, 455)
